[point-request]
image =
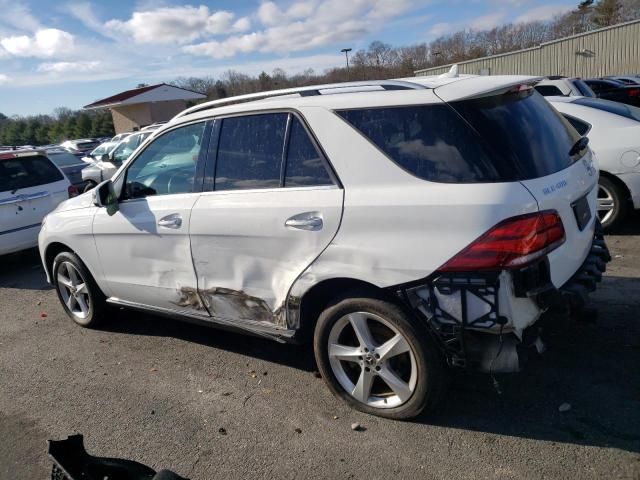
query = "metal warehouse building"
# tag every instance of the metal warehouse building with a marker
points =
(606, 51)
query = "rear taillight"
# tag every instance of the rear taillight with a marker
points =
(634, 92)
(73, 191)
(512, 243)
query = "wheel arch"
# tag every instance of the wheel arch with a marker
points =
(616, 180)
(51, 252)
(315, 299)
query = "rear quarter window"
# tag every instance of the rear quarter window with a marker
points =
(508, 137)
(25, 172)
(549, 90)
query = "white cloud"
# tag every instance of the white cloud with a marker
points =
(441, 28)
(49, 42)
(4, 79)
(484, 22)
(542, 13)
(176, 25)
(18, 16)
(487, 22)
(65, 67)
(326, 22)
(84, 12)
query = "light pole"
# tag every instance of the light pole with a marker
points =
(346, 55)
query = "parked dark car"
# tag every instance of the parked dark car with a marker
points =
(70, 164)
(615, 90)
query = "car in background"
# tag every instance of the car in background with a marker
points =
(626, 79)
(70, 165)
(31, 186)
(109, 162)
(616, 91)
(564, 86)
(81, 146)
(97, 153)
(153, 126)
(120, 136)
(614, 135)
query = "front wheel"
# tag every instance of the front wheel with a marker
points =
(377, 359)
(78, 293)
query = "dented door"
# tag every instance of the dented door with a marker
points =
(248, 247)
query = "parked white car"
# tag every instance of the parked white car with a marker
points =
(614, 134)
(31, 186)
(565, 86)
(404, 226)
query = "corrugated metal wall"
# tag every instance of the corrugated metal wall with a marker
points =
(608, 51)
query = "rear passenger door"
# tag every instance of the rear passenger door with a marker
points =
(273, 204)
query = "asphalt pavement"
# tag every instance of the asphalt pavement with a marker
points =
(159, 392)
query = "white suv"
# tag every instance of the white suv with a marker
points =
(405, 226)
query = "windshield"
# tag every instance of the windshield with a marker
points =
(126, 148)
(622, 109)
(63, 159)
(25, 172)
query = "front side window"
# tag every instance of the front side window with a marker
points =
(167, 165)
(250, 152)
(305, 166)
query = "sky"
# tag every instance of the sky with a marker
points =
(70, 53)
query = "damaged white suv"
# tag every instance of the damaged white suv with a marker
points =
(406, 226)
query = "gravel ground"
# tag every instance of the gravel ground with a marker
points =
(158, 391)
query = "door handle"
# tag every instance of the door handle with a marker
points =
(310, 223)
(171, 221)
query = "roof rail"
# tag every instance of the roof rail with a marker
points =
(304, 92)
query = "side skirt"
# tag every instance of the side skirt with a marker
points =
(259, 329)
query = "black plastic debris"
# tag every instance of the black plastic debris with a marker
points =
(72, 462)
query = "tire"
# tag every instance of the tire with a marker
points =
(89, 186)
(77, 291)
(415, 358)
(612, 197)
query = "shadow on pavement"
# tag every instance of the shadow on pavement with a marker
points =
(23, 270)
(592, 367)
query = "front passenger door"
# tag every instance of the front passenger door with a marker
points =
(144, 247)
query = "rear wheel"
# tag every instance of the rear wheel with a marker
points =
(81, 298)
(612, 203)
(376, 359)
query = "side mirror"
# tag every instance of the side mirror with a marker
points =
(104, 157)
(105, 196)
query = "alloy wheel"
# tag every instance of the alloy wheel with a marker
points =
(372, 360)
(606, 204)
(73, 290)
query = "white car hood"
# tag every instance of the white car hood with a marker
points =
(84, 200)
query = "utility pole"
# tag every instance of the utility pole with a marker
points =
(346, 55)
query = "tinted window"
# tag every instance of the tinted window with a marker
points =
(64, 159)
(126, 148)
(508, 137)
(621, 109)
(250, 152)
(523, 131)
(305, 165)
(581, 127)
(167, 165)
(583, 88)
(16, 173)
(549, 90)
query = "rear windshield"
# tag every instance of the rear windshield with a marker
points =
(627, 111)
(501, 138)
(64, 159)
(24, 172)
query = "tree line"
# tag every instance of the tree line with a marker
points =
(63, 124)
(382, 61)
(379, 61)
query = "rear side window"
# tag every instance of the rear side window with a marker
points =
(509, 137)
(305, 165)
(250, 152)
(581, 127)
(549, 90)
(25, 172)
